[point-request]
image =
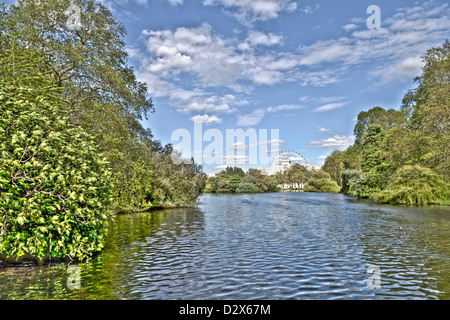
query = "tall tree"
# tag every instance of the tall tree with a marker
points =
(334, 165)
(55, 186)
(89, 66)
(376, 115)
(428, 106)
(90, 61)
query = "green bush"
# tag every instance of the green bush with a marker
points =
(362, 184)
(349, 178)
(321, 182)
(246, 187)
(321, 185)
(55, 187)
(414, 185)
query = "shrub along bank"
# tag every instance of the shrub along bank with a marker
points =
(72, 146)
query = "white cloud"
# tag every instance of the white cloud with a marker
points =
(322, 157)
(206, 119)
(193, 50)
(273, 142)
(251, 119)
(329, 106)
(357, 20)
(254, 118)
(408, 68)
(350, 27)
(158, 87)
(252, 10)
(335, 143)
(264, 77)
(329, 99)
(175, 2)
(211, 104)
(324, 131)
(309, 9)
(170, 62)
(304, 98)
(236, 159)
(325, 51)
(317, 78)
(203, 106)
(187, 64)
(256, 38)
(321, 100)
(215, 61)
(403, 37)
(284, 107)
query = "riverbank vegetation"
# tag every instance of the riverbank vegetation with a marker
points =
(296, 177)
(403, 156)
(321, 181)
(73, 148)
(235, 180)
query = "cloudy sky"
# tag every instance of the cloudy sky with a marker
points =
(306, 68)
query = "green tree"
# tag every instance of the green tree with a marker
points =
(91, 62)
(89, 65)
(55, 186)
(334, 164)
(263, 182)
(222, 185)
(245, 187)
(371, 151)
(376, 170)
(353, 183)
(233, 171)
(233, 183)
(414, 185)
(338, 161)
(351, 158)
(378, 116)
(321, 181)
(176, 184)
(295, 175)
(235, 180)
(428, 107)
(388, 141)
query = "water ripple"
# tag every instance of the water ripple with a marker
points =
(271, 246)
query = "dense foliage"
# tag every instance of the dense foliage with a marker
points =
(73, 145)
(55, 186)
(402, 156)
(296, 177)
(414, 185)
(235, 180)
(321, 181)
(293, 178)
(103, 96)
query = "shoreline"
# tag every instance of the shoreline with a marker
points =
(28, 260)
(156, 207)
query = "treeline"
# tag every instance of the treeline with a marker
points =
(235, 180)
(403, 156)
(72, 146)
(296, 177)
(299, 177)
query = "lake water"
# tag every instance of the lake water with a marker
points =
(262, 246)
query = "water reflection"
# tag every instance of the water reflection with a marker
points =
(270, 246)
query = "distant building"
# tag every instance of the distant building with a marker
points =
(284, 160)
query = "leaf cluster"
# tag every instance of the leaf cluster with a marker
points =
(55, 186)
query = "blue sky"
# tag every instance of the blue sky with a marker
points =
(306, 68)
